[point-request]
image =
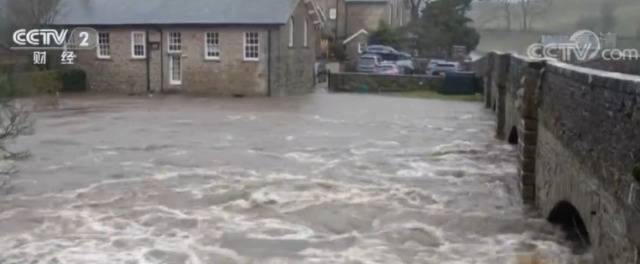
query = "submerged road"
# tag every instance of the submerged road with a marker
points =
(325, 178)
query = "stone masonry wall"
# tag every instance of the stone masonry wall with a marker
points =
(629, 65)
(292, 67)
(589, 144)
(579, 141)
(375, 83)
(291, 70)
(231, 74)
(499, 77)
(120, 73)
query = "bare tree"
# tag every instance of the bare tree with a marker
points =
(15, 120)
(30, 13)
(506, 7)
(532, 9)
(414, 6)
(608, 19)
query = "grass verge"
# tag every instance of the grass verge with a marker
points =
(438, 96)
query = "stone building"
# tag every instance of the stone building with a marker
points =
(220, 47)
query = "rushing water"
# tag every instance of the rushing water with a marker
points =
(315, 179)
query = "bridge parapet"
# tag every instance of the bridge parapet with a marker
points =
(578, 135)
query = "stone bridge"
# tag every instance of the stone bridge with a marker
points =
(578, 136)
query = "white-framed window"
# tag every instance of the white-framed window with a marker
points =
(138, 45)
(104, 45)
(305, 38)
(175, 41)
(292, 29)
(212, 46)
(333, 14)
(251, 46)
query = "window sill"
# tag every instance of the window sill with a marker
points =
(251, 60)
(216, 59)
(138, 58)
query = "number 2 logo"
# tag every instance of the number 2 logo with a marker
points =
(84, 39)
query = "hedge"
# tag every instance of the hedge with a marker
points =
(74, 81)
(39, 82)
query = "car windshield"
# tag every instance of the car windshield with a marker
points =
(369, 60)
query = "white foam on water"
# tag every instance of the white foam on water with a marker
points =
(305, 157)
(183, 215)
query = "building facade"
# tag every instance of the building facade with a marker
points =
(235, 53)
(350, 21)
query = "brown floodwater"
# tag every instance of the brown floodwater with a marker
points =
(324, 178)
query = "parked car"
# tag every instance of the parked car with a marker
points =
(380, 49)
(368, 63)
(442, 68)
(432, 64)
(389, 68)
(402, 59)
(405, 62)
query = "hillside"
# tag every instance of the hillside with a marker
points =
(563, 16)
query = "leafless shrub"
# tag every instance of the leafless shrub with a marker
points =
(15, 120)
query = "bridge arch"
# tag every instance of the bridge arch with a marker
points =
(513, 136)
(565, 215)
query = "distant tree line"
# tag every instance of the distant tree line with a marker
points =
(438, 26)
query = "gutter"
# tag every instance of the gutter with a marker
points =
(148, 61)
(269, 63)
(161, 60)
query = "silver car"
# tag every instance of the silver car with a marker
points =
(437, 68)
(368, 63)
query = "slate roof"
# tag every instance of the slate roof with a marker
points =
(150, 12)
(367, 1)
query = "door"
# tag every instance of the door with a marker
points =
(175, 69)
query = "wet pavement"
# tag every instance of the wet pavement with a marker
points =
(325, 178)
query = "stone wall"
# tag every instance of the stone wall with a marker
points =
(374, 83)
(593, 119)
(292, 67)
(579, 141)
(120, 73)
(626, 65)
(283, 69)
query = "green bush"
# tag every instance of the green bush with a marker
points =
(6, 89)
(45, 82)
(74, 81)
(37, 82)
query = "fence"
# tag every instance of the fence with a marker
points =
(377, 83)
